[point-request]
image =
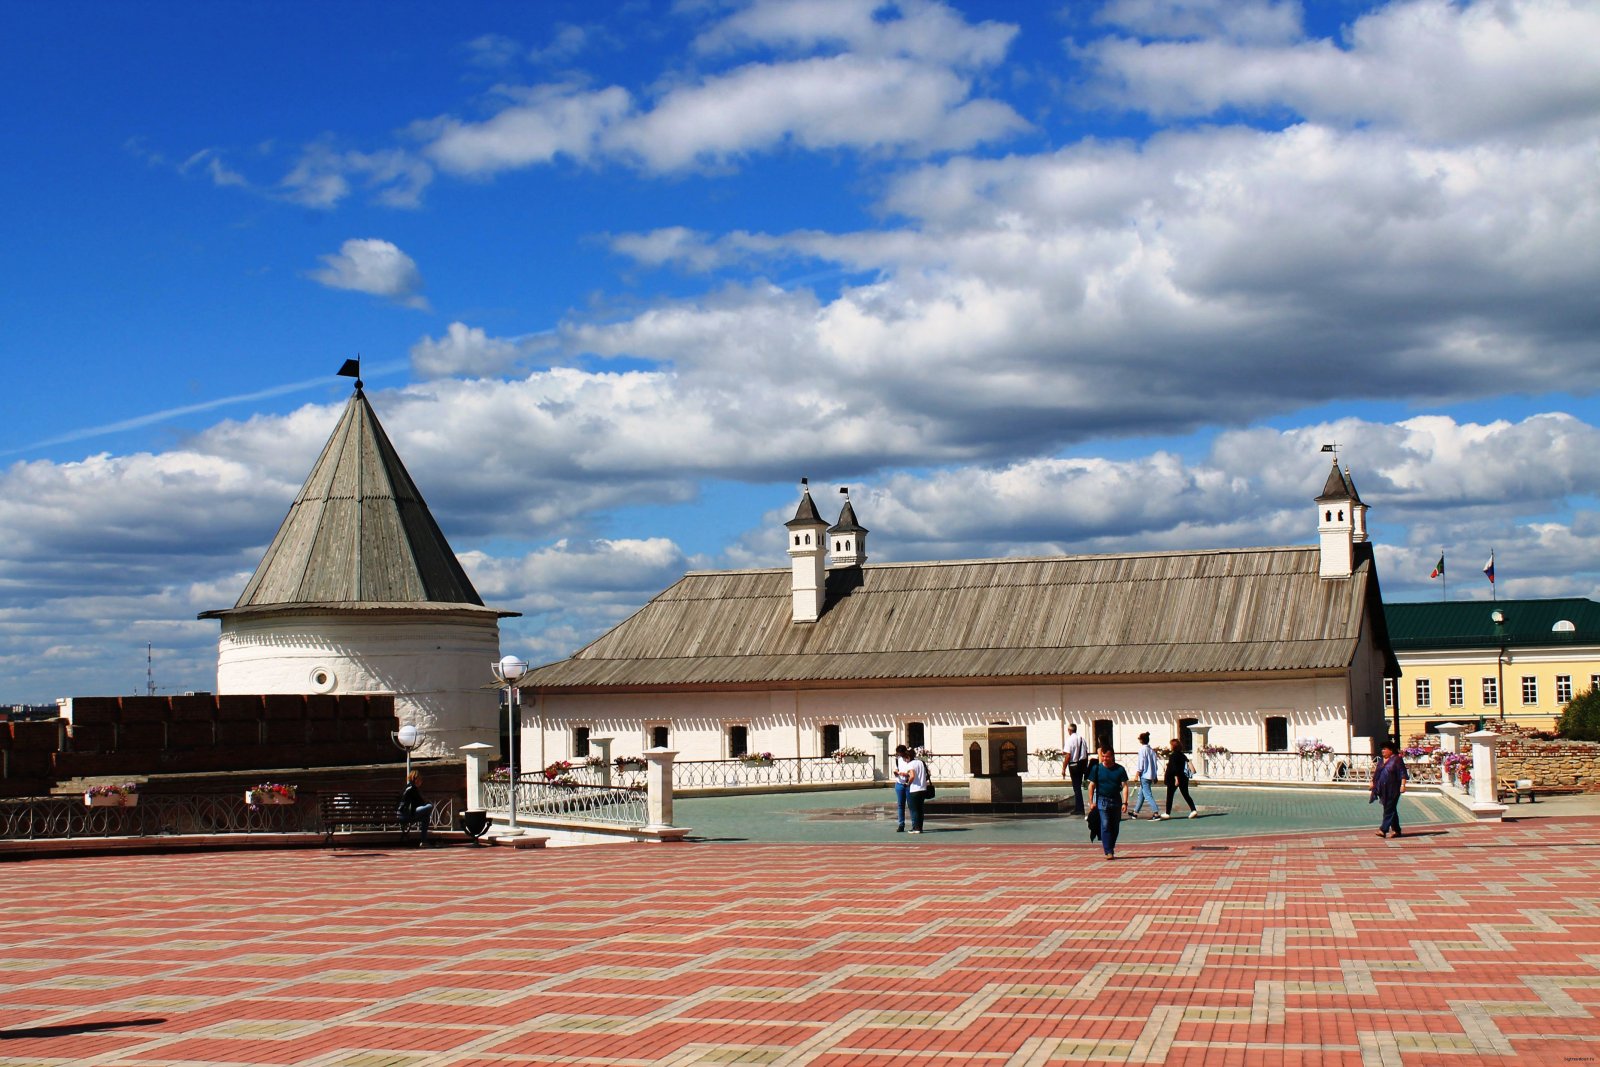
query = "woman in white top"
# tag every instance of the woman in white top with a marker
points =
(902, 785)
(917, 791)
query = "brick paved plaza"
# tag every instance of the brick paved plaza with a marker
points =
(1462, 945)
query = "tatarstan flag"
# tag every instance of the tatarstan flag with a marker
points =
(1438, 568)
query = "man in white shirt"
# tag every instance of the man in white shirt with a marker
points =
(1148, 769)
(1074, 762)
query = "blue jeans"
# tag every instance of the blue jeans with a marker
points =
(901, 789)
(1110, 809)
(1145, 794)
(421, 816)
(917, 799)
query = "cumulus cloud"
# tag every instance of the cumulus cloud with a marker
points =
(372, 265)
(466, 350)
(1442, 71)
(929, 31)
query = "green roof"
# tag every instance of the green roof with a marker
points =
(1469, 623)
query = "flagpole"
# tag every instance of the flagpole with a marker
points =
(1444, 580)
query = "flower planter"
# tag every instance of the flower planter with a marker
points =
(631, 765)
(111, 800)
(258, 800)
(756, 762)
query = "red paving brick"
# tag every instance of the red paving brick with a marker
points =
(1470, 945)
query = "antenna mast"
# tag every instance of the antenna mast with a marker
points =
(149, 671)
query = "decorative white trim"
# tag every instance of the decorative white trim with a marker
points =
(322, 679)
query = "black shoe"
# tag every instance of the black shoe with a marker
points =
(899, 829)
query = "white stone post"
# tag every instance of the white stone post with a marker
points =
(603, 745)
(1485, 804)
(658, 785)
(477, 759)
(1450, 735)
(1199, 731)
(880, 772)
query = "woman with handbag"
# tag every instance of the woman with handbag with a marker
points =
(1177, 778)
(918, 789)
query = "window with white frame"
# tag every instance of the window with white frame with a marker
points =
(1491, 693)
(1594, 681)
(657, 735)
(1458, 692)
(738, 735)
(1563, 688)
(1389, 693)
(1530, 689)
(1424, 693)
(580, 740)
(1276, 731)
(830, 738)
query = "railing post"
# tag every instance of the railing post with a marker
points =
(658, 787)
(603, 744)
(477, 759)
(1198, 731)
(880, 762)
(1485, 803)
(1450, 735)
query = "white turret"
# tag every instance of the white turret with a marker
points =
(1336, 524)
(847, 538)
(807, 536)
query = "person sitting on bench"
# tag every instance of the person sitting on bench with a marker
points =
(414, 808)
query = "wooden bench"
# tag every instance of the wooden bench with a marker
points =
(362, 811)
(1518, 788)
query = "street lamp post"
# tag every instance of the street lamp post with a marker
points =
(507, 671)
(407, 737)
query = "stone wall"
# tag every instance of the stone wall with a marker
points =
(134, 736)
(1551, 764)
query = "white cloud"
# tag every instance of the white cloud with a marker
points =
(929, 31)
(1262, 21)
(372, 265)
(465, 350)
(1443, 71)
(540, 124)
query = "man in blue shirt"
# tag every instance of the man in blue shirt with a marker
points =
(1108, 793)
(1146, 771)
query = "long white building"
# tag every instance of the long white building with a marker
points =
(1268, 645)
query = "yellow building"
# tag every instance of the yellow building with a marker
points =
(1465, 660)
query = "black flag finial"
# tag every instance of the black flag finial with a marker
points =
(352, 369)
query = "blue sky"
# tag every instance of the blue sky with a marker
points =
(1029, 279)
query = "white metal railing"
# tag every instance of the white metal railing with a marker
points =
(540, 798)
(780, 771)
(1289, 767)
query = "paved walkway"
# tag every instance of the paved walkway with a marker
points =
(1462, 945)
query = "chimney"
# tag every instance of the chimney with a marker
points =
(807, 538)
(847, 538)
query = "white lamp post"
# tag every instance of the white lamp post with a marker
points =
(507, 671)
(407, 737)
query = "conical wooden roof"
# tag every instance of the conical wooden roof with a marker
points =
(359, 534)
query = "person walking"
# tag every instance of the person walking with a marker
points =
(413, 808)
(1388, 782)
(917, 791)
(1108, 793)
(1177, 779)
(1074, 762)
(1145, 770)
(902, 786)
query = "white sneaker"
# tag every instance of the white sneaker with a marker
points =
(1195, 814)
(1165, 816)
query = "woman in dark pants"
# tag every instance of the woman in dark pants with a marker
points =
(1108, 795)
(1388, 782)
(413, 808)
(1177, 778)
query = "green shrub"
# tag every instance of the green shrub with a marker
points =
(1581, 720)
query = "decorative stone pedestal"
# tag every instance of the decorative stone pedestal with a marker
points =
(1485, 803)
(996, 757)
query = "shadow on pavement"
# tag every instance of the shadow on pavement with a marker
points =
(72, 1029)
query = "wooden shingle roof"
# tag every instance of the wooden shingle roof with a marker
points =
(358, 535)
(1229, 612)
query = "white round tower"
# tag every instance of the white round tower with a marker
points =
(360, 593)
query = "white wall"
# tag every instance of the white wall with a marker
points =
(436, 665)
(787, 722)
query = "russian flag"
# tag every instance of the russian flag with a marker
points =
(1488, 569)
